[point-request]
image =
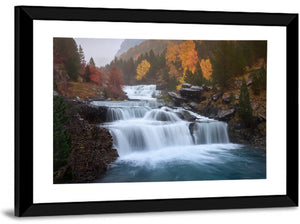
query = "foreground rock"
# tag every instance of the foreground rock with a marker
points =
(192, 93)
(225, 115)
(92, 146)
(178, 99)
(93, 114)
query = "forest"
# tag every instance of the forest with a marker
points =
(221, 80)
(191, 61)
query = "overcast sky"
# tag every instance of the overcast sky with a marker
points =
(102, 50)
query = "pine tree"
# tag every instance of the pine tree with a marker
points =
(92, 62)
(245, 110)
(195, 78)
(87, 73)
(81, 55)
(66, 52)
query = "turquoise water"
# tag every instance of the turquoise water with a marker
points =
(158, 143)
(189, 163)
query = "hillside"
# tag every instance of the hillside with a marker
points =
(127, 44)
(158, 46)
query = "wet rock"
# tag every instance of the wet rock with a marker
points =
(178, 100)
(193, 105)
(225, 115)
(192, 93)
(184, 115)
(93, 114)
(186, 85)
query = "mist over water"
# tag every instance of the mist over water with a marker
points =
(155, 144)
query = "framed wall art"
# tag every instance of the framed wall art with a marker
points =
(122, 110)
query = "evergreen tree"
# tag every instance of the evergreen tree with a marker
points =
(245, 110)
(228, 62)
(66, 52)
(87, 73)
(92, 62)
(81, 55)
(61, 137)
(259, 80)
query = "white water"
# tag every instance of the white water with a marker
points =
(155, 143)
(141, 92)
(141, 126)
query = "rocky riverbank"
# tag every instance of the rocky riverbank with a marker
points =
(92, 146)
(223, 106)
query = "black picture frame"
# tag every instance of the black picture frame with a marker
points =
(24, 17)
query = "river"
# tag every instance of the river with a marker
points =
(156, 143)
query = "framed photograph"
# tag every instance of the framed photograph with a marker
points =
(121, 110)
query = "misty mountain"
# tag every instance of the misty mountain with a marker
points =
(127, 44)
(157, 46)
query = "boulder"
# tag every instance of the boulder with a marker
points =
(184, 115)
(226, 98)
(178, 100)
(216, 96)
(93, 114)
(186, 85)
(194, 92)
(225, 115)
(193, 105)
(263, 116)
(207, 88)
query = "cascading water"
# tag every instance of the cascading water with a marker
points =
(152, 137)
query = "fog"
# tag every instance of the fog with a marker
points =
(102, 50)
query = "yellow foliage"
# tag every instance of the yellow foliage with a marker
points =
(142, 69)
(206, 68)
(188, 55)
(181, 81)
(172, 53)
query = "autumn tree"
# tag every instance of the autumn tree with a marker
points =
(115, 82)
(95, 75)
(206, 68)
(142, 69)
(188, 56)
(173, 60)
(196, 77)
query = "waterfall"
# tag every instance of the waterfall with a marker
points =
(143, 125)
(210, 132)
(142, 92)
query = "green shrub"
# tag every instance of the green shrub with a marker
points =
(245, 109)
(61, 136)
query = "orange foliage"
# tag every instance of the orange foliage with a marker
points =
(172, 60)
(95, 75)
(188, 55)
(115, 82)
(206, 68)
(172, 53)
